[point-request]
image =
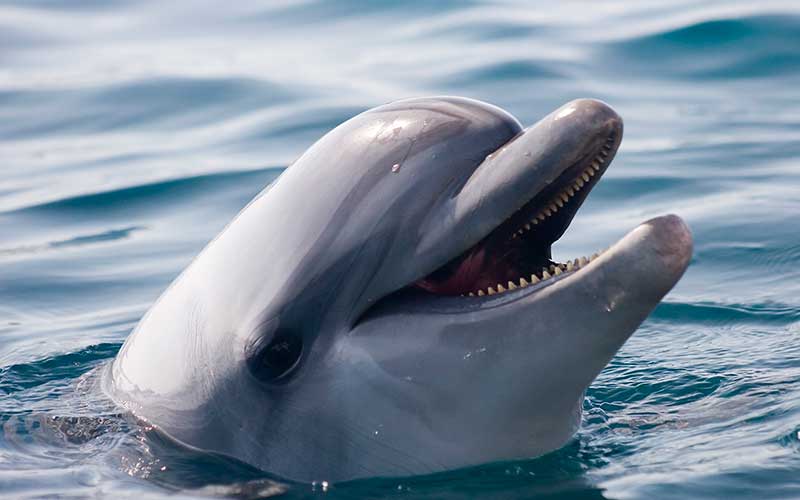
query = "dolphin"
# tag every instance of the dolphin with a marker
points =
(389, 306)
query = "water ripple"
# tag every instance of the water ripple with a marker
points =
(130, 135)
(164, 193)
(748, 47)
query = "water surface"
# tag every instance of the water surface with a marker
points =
(131, 132)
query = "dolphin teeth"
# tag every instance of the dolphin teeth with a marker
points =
(590, 172)
(511, 285)
(535, 221)
(564, 197)
(481, 293)
(596, 165)
(500, 288)
(545, 274)
(541, 216)
(534, 279)
(527, 227)
(553, 207)
(552, 268)
(491, 291)
(547, 212)
(570, 266)
(583, 261)
(559, 203)
(570, 191)
(604, 152)
(471, 294)
(557, 271)
(579, 182)
(594, 256)
(523, 282)
(585, 177)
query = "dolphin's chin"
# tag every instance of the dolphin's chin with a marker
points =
(517, 253)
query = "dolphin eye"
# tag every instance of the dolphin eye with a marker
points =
(277, 360)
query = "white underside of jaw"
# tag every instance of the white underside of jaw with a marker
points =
(558, 201)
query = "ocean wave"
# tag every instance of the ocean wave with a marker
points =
(741, 48)
(156, 195)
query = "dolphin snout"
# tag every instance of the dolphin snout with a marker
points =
(592, 113)
(672, 242)
(651, 258)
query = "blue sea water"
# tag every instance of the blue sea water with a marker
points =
(132, 131)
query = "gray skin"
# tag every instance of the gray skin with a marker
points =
(394, 384)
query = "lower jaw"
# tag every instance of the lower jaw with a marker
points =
(542, 275)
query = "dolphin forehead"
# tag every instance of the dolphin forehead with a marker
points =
(479, 114)
(421, 141)
(359, 196)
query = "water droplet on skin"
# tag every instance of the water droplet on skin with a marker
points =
(395, 168)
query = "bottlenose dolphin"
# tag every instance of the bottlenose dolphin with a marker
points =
(389, 306)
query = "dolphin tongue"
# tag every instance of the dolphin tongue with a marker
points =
(492, 261)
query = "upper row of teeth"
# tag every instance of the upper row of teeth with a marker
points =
(545, 274)
(563, 197)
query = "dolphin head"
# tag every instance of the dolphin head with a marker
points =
(391, 304)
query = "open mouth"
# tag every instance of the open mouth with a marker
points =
(517, 253)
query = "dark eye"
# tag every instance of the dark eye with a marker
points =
(276, 361)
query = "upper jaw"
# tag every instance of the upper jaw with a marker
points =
(528, 165)
(532, 161)
(529, 189)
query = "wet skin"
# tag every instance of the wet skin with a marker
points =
(390, 306)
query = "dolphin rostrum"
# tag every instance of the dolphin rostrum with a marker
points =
(389, 306)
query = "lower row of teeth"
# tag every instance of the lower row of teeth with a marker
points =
(545, 274)
(563, 197)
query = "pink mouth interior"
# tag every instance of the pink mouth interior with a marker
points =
(492, 261)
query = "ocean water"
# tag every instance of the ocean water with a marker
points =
(132, 131)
